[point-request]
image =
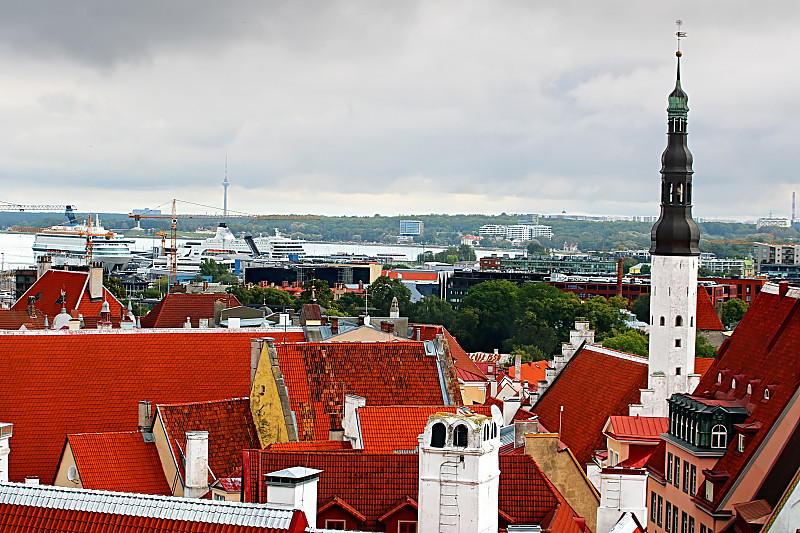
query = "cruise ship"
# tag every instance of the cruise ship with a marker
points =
(67, 244)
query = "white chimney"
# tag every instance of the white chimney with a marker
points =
(96, 281)
(5, 434)
(196, 482)
(350, 423)
(146, 420)
(31, 480)
(234, 322)
(295, 487)
(188, 323)
(510, 408)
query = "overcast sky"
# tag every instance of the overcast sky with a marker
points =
(396, 107)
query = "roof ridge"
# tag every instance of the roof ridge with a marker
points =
(204, 402)
(156, 331)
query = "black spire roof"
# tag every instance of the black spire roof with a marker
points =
(675, 232)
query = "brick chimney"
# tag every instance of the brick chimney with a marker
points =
(335, 325)
(390, 327)
(43, 264)
(196, 481)
(32, 306)
(384, 326)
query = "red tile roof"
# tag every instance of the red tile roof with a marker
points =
(172, 310)
(532, 372)
(761, 352)
(317, 375)
(15, 319)
(231, 484)
(637, 456)
(428, 332)
(120, 461)
(230, 430)
(55, 383)
(702, 364)
(638, 428)
(596, 384)
(388, 428)
(75, 287)
(372, 484)
(311, 446)
(707, 319)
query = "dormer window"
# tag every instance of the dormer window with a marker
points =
(733, 383)
(719, 436)
(719, 377)
(460, 436)
(740, 443)
(438, 435)
(749, 388)
(766, 393)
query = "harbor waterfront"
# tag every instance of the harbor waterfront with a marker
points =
(17, 252)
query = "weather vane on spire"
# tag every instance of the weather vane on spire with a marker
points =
(680, 35)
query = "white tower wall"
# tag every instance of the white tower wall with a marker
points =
(673, 303)
(459, 486)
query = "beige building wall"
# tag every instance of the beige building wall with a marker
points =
(67, 460)
(268, 405)
(472, 393)
(565, 473)
(221, 495)
(165, 455)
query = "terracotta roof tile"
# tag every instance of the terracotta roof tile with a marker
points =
(16, 318)
(311, 446)
(389, 428)
(532, 372)
(763, 347)
(428, 332)
(172, 310)
(230, 430)
(702, 364)
(120, 461)
(75, 285)
(372, 484)
(638, 427)
(596, 384)
(55, 383)
(317, 375)
(707, 319)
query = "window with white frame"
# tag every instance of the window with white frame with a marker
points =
(719, 436)
(740, 443)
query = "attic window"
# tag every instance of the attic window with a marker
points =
(740, 444)
(719, 377)
(460, 436)
(766, 393)
(719, 436)
(438, 434)
(733, 383)
(749, 388)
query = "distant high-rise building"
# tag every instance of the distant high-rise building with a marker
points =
(411, 228)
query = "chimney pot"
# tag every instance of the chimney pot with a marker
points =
(196, 464)
(145, 416)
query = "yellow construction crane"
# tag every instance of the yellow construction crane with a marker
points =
(174, 217)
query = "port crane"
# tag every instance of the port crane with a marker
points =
(9, 206)
(175, 216)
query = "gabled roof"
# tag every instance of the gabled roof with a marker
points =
(707, 319)
(230, 430)
(75, 287)
(597, 383)
(637, 428)
(120, 461)
(16, 318)
(428, 332)
(532, 372)
(57, 382)
(36, 508)
(318, 374)
(373, 484)
(173, 309)
(396, 427)
(761, 352)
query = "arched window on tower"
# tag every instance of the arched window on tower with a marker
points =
(662, 321)
(460, 436)
(679, 194)
(719, 436)
(688, 193)
(679, 320)
(438, 435)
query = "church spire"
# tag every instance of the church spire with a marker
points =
(675, 232)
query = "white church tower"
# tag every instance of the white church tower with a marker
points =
(675, 259)
(459, 473)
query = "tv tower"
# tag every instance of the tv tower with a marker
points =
(225, 185)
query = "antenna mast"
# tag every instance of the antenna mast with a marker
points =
(679, 34)
(225, 185)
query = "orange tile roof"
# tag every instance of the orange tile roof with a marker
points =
(597, 383)
(532, 372)
(638, 427)
(311, 446)
(428, 332)
(707, 319)
(372, 484)
(55, 383)
(385, 429)
(317, 375)
(702, 364)
(75, 286)
(230, 429)
(120, 461)
(16, 318)
(173, 309)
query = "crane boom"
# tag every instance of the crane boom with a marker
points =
(7, 206)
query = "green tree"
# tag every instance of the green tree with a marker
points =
(646, 269)
(218, 271)
(641, 308)
(627, 263)
(433, 310)
(115, 287)
(381, 291)
(529, 353)
(703, 348)
(262, 296)
(532, 331)
(604, 316)
(733, 311)
(350, 304)
(319, 289)
(630, 341)
(487, 315)
(536, 248)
